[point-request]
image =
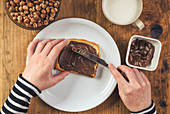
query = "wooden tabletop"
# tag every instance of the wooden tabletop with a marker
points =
(14, 41)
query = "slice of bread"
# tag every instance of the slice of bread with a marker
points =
(73, 62)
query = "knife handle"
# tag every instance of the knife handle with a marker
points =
(124, 75)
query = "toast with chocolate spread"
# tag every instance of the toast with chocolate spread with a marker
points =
(73, 62)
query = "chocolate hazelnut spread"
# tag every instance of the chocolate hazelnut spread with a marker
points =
(71, 61)
(141, 53)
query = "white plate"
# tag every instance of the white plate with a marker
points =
(77, 92)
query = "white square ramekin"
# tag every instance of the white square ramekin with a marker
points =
(154, 62)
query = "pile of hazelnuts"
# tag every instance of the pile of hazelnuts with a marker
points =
(33, 13)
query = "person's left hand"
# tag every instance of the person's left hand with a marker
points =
(41, 62)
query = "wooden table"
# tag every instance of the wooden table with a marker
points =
(14, 42)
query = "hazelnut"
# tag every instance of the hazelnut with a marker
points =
(20, 8)
(16, 8)
(56, 9)
(28, 1)
(19, 21)
(42, 16)
(40, 1)
(41, 4)
(26, 12)
(12, 14)
(56, 4)
(44, 6)
(36, 2)
(16, 14)
(53, 10)
(19, 18)
(48, 9)
(16, 1)
(29, 16)
(27, 25)
(25, 17)
(51, 18)
(36, 16)
(45, 22)
(52, 14)
(35, 25)
(33, 20)
(11, 9)
(22, 14)
(47, 2)
(30, 4)
(50, 4)
(14, 18)
(42, 22)
(38, 8)
(35, 13)
(12, 3)
(7, 4)
(38, 13)
(39, 24)
(39, 20)
(52, 1)
(31, 23)
(43, 11)
(31, 9)
(25, 7)
(26, 20)
(22, 3)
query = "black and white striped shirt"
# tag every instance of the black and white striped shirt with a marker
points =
(150, 110)
(19, 99)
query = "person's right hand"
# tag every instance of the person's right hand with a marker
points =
(41, 62)
(135, 94)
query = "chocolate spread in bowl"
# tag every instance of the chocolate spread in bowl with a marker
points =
(141, 53)
(71, 61)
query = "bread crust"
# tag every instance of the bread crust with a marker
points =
(94, 45)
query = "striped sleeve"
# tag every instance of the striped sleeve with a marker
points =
(150, 110)
(19, 99)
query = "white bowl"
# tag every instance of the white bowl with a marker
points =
(154, 62)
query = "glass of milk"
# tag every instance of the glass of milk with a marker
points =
(124, 12)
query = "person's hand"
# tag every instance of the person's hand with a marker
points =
(41, 62)
(135, 94)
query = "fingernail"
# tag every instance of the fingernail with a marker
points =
(111, 65)
(66, 40)
(67, 73)
(62, 39)
(134, 69)
(36, 40)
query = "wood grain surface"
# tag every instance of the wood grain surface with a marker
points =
(14, 42)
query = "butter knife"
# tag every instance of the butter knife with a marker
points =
(90, 56)
(95, 59)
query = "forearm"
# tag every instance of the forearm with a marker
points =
(150, 110)
(19, 99)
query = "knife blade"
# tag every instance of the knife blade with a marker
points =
(90, 56)
(95, 59)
